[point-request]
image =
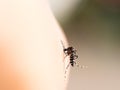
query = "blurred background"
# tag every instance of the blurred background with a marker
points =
(93, 28)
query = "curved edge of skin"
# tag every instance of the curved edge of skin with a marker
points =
(64, 42)
(32, 54)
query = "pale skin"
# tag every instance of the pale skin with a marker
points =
(31, 54)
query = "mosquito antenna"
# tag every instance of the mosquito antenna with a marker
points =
(62, 44)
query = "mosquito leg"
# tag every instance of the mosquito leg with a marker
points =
(65, 57)
(81, 66)
(67, 68)
(76, 64)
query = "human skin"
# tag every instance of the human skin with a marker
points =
(31, 53)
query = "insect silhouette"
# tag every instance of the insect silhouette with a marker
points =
(71, 52)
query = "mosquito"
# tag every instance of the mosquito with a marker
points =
(71, 52)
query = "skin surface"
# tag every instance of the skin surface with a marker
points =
(31, 53)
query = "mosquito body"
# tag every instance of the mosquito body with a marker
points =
(71, 52)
